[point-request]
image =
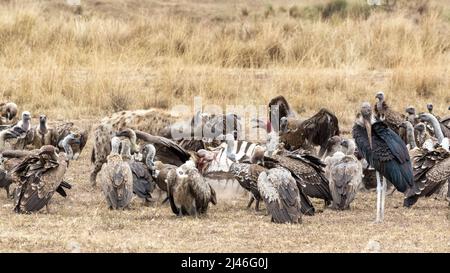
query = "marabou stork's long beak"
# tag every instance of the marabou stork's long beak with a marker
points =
(368, 126)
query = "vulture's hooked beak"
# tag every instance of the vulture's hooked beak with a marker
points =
(368, 126)
(8, 115)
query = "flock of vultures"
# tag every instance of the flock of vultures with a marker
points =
(134, 154)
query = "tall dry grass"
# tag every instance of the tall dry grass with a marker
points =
(117, 55)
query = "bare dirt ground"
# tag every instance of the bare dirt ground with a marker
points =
(82, 222)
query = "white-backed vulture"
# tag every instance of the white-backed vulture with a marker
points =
(189, 193)
(281, 195)
(440, 130)
(344, 173)
(19, 135)
(116, 178)
(38, 176)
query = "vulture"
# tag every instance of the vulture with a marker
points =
(421, 134)
(281, 195)
(19, 135)
(307, 170)
(10, 159)
(117, 178)
(143, 182)
(430, 110)
(8, 111)
(431, 167)
(189, 193)
(70, 137)
(38, 176)
(344, 172)
(42, 134)
(161, 174)
(440, 130)
(278, 108)
(167, 151)
(314, 131)
(392, 119)
(411, 115)
(431, 172)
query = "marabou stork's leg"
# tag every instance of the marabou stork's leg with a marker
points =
(378, 218)
(383, 196)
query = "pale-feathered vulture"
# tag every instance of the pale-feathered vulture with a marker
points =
(390, 117)
(162, 171)
(410, 134)
(440, 130)
(344, 173)
(8, 111)
(143, 181)
(247, 175)
(38, 176)
(431, 173)
(167, 151)
(63, 134)
(19, 135)
(189, 193)
(116, 178)
(385, 151)
(281, 195)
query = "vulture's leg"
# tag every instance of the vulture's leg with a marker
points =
(250, 202)
(257, 205)
(7, 192)
(47, 207)
(165, 200)
(378, 218)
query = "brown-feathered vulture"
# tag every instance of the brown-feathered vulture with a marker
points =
(116, 178)
(392, 118)
(307, 170)
(314, 131)
(9, 159)
(431, 167)
(281, 195)
(167, 151)
(189, 193)
(8, 111)
(38, 176)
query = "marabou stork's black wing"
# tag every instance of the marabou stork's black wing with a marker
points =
(389, 155)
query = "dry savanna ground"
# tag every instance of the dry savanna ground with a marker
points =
(105, 56)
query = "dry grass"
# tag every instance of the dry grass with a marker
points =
(83, 223)
(114, 55)
(152, 53)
